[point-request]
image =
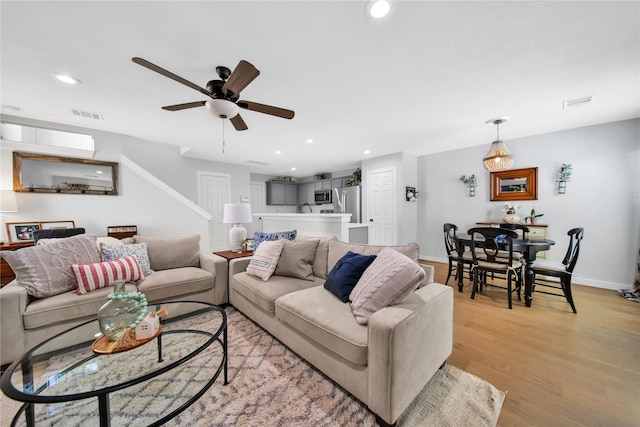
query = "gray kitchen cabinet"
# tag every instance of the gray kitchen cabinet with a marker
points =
(280, 194)
(306, 193)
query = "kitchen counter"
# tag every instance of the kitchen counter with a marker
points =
(315, 224)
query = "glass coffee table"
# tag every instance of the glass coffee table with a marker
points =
(64, 384)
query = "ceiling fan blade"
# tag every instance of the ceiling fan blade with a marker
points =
(169, 74)
(244, 74)
(238, 123)
(266, 109)
(178, 107)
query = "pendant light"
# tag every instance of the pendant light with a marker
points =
(499, 158)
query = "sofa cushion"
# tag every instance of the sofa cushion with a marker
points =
(176, 282)
(296, 259)
(264, 294)
(322, 254)
(44, 270)
(345, 274)
(66, 307)
(172, 252)
(265, 259)
(319, 316)
(112, 253)
(389, 280)
(259, 236)
(102, 274)
(337, 250)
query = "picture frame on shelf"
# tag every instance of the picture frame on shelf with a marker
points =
(56, 225)
(20, 232)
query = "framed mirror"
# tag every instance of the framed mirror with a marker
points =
(41, 173)
(514, 184)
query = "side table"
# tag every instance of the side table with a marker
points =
(229, 255)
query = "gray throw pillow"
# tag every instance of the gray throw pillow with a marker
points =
(296, 259)
(389, 280)
(46, 270)
(166, 253)
(112, 253)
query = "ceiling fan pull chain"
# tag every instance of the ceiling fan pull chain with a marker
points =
(223, 136)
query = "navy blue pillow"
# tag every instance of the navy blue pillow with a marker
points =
(345, 274)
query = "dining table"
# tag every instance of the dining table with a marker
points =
(529, 249)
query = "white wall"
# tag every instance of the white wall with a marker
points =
(603, 196)
(140, 202)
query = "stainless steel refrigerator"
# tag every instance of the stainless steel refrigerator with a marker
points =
(349, 200)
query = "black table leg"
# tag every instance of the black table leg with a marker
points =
(530, 256)
(103, 407)
(226, 355)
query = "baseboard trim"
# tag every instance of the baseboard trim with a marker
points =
(594, 283)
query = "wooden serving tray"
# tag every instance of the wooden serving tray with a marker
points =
(104, 346)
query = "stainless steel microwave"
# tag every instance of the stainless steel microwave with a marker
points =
(323, 197)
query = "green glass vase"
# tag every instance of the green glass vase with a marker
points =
(117, 314)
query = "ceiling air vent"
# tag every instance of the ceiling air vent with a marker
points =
(577, 102)
(87, 114)
(258, 162)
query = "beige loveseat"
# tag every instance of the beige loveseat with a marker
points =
(384, 363)
(181, 272)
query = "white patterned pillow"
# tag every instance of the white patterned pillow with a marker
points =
(139, 250)
(389, 280)
(102, 274)
(265, 259)
(44, 270)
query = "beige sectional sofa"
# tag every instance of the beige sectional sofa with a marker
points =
(384, 363)
(181, 272)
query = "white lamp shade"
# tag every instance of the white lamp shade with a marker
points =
(236, 213)
(8, 202)
(222, 108)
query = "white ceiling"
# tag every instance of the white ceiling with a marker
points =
(422, 80)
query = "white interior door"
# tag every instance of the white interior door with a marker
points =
(214, 190)
(382, 206)
(257, 201)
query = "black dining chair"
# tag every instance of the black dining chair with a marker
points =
(452, 253)
(486, 243)
(56, 233)
(542, 269)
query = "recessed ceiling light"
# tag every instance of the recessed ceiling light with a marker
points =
(64, 78)
(379, 9)
(293, 169)
(367, 151)
(99, 172)
(309, 141)
(278, 152)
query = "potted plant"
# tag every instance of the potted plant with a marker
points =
(357, 176)
(564, 176)
(511, 217)
(469, 181)
(533, 217)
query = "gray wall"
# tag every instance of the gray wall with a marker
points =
(603, 196)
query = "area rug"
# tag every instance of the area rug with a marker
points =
(270, 386)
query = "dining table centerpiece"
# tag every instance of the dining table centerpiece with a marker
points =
(511, 216)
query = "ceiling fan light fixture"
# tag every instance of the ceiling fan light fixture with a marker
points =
(499, 158)
(222, 108)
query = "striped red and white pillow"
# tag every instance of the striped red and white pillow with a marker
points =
(102, 274)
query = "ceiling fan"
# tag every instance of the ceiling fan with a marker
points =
(224, 93)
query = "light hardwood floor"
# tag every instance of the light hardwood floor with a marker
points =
(557, 368)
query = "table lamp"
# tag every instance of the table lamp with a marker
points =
(8, 203)
(237, 213)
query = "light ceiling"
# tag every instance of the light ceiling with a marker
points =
(424, 79)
